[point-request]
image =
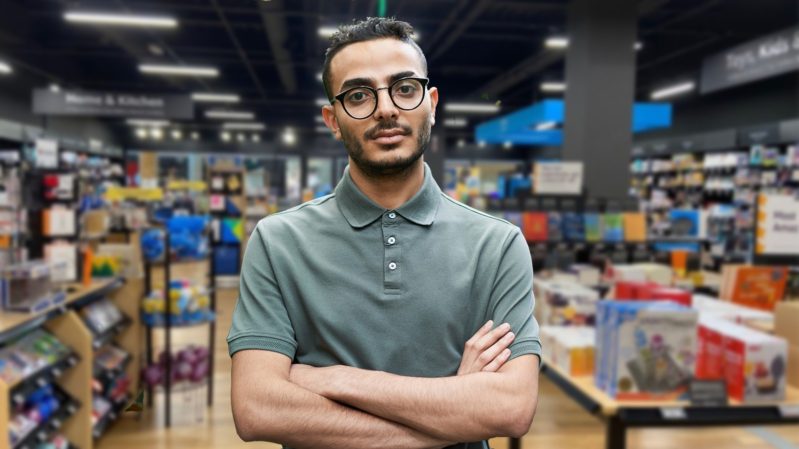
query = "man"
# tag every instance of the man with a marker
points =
(366, 318)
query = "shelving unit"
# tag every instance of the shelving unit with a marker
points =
(159, 276)
(228, 211)
(72, 374)
(619, 416)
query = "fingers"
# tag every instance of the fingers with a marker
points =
(498, 362)
(492, 337)
(490, 354)
(481, 332)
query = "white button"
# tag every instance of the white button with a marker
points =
(392, 240)
(392, 266)
(392, 215)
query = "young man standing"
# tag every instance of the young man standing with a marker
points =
(366, 318)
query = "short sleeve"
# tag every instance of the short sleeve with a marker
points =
(260, 319)
(512, 299)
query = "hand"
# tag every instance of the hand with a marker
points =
(309, 377)
(487, 350)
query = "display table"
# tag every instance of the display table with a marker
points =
(621, 415)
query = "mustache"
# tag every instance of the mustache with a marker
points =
(383, 126)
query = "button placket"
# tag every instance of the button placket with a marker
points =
(392, 264)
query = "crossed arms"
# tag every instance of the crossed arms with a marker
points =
(343, 407)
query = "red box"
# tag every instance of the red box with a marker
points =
(672, 294)
(635, 290)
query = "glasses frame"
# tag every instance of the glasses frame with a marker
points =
(340, 97)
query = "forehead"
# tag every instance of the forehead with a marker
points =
(377, 59)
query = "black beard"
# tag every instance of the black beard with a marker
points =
(391, 168)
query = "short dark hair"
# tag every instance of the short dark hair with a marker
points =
(368, 29)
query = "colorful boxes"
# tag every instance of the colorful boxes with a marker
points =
(566, 303)
(570, 348)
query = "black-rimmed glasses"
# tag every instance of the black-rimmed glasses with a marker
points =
(361, 102)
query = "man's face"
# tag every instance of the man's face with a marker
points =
(391, 139)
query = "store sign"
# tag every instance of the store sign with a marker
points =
(111, 104)
(558, 178)
(777, 225)
(772, 55)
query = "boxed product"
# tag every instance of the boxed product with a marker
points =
(716, 308)
(651, 349)
(535, 226)
(27, 287)
(643, 272)
(570, 348)
(566, 303)
(587, 275)
(760, 287)
(755, 364)
(710, 348)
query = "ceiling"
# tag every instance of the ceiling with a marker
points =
(270, 52)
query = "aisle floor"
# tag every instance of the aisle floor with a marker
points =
(559, 422)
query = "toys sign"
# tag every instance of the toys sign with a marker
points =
(558, 178)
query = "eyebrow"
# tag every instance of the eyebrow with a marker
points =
(356, 82)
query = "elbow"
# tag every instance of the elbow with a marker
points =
(518, 423)
(250, 424)
(245, 425)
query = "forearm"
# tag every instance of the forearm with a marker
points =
(298, 418)
(473, 407)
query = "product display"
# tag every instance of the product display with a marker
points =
(566, 304)
(188, 305)
(570, 348)
(30, 354)
(28, 287)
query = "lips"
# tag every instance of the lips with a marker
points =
(389, 136)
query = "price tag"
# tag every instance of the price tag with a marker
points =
(672, 413)
(708, 393)
(789, 410)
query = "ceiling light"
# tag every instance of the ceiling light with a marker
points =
(673, 90)
(157, 133)
(456, 122)
(638, 46)
(241, 137)
(235, 115)
(557, 42)
(481, 108)
(177, 134)
(461, 143)
(289, 138)
(147, 123)
(195, 136)
(121, 19)
(543, 126)
(481, 144)
(215, 98)
(256, 137)
(327, 32)
(225, 136)
(5, 68)
(553, 86)
(507, 145)
(319, 77)
(319, 119)
(155, 49)
(322, 129)
(54, 87)
(243, 126)
(141, 133)
(322, 102)
(178, 70)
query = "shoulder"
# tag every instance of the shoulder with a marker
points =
(470, 217)
(309, 212)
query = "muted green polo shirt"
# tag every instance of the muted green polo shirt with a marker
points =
(341, 281)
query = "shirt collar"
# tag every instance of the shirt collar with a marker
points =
(360, 211)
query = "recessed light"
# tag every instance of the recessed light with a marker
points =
(157, 133)
(179, 70)
(327, 31)
(322, 102)
(235, 115)
(553, 86)
(54, 87)
(461, 143)
(147, 123)
(225, 136)
(480, 108)
(133, 20)
(544, 126)
(195, 135)
(215, 98)
(243, 126)
(256, 137)
(322, 129)
(556, 42)
(177, 134)
(5, 69)
(671, 91)
(456, 122)
(507, 145)
(289, 138)
(141, 133)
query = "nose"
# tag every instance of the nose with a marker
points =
(386, 110)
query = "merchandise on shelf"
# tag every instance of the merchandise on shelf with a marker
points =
(570, 348)
(27, 286)
(101, 316)
(110, 357)
(188, 305)
(188, 365)
(587, 275)
(645, 350)
(709, 306)
(186, 239)
(760, 287)
(104, 266)
(642, 272)
(566, 303)
(29, 354)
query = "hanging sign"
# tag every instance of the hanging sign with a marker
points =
(112, 104)
(772, 55)
(558, 178)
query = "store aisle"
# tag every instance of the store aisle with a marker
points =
(559, 423)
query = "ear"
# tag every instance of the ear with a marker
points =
(433, 92)
(329, 115)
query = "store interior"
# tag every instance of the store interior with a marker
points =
(141, 142)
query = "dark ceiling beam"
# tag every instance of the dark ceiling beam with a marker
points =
(242, 54)
(444, 26)
(278, 35)
(684, 15)
(681, 52)
(465, 22)
(646, 7)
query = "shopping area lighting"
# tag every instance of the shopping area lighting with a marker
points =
(179, 70)
(5, 69)
(157, 133)
(54, 88)
(241, 137)
(130, 20)
(556, 42)
(319, 77)
(225, 136)
(327, 32)
(545, 126)
(243, 126)
(177, 134)
(147, 123)
(289, 137)
(553, 86)
(477, 108)
(195, 135)
(456, 122)
(319, 119)
(638, 46)
(322, 129)
(256, 138)
(141, 133)
(671, 91)
(202, 97)
(322, 102)
(230, 115)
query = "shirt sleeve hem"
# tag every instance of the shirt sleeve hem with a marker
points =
(262, 343)
(520, 348)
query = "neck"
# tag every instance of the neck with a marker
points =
(390, 191)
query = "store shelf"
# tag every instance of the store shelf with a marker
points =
(44, 430)
(105, 337)
(115, 371)
(47, 375)
(110, 416)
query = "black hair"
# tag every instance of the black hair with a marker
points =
(368, 29)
